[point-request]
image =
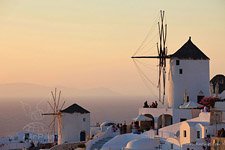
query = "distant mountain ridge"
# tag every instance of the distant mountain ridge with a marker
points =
(12, 90)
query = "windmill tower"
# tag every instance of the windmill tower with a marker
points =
(56, 115)
(189, 73)
(188, 70)
(187, 82)
(162, 56)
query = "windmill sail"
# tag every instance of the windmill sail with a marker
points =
(56, 114)
(162, 56)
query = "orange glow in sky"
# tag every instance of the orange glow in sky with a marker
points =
(88, 43)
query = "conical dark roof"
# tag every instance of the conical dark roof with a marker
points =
(75, 109)
(189, 51)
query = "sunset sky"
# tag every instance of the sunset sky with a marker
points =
(88, 43)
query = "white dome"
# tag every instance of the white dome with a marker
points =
(121, 141)
(142, 144)
(107, 123)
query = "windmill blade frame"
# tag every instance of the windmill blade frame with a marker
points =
(162, 56)
(56, 114)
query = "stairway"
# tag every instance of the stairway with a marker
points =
(98, 145)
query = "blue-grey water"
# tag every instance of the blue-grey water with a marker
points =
(16, 114)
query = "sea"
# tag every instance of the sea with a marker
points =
(19, 114)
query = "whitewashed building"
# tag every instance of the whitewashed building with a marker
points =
(188, 82)
(188, 75)
(178, 124)
(75, 121)
(187, 135)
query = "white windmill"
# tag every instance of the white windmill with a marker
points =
(188, 70)
(57, 116)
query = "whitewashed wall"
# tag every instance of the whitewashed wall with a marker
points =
(73, 124)
(177, 114)
(195, 78)
(169, 141)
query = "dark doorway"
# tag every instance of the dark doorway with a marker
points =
(82, 136)
(26, 136)
(55, 138)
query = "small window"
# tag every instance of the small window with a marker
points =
(177, 62)
(206, 131)
(180, 71)
(171, 146)
(185, 133)
(198, 134)
(84, 119)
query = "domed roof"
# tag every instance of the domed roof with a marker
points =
(107, 123)
(121, 141)
(218, 79)
(142, 144)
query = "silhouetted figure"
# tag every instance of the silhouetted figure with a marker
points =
(136, 127)
(153, 105)
(120, 127)
(222, 133)
(131, 127)
(124, 128)
(114, 128)
(146, 105)
(156, 104)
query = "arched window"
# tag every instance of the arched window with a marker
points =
(147, 125)
(165, 120)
